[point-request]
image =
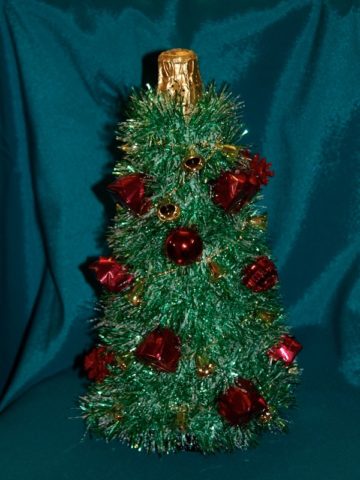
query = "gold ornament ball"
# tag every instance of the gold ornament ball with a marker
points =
(193, 163)
(168, 212)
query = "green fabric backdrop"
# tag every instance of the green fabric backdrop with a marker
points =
(66, 67)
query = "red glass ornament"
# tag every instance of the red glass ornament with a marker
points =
(260, 275)
(112, 275)
(160, 349)
(241, 402)
(96, 363)
(183, 246)
(286, 350)
(233, 189)
(130, 190)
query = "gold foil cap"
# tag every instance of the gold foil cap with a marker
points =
(179, 75)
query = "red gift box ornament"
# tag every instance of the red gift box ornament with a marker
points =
(241, 402)
(286, 350)
(233, 189)
(96, 363)
(160, 349)
(130, 191)
(261, 275)
(111, 274)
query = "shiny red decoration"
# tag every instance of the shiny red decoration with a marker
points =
(183, 246)
(261, 275)
(286, 349)
(234, 189)
(96, 363)
(111, 274)
(259, 170)
(241, 402)
(130, 191)
(160, 349)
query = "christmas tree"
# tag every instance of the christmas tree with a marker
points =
(192, 350)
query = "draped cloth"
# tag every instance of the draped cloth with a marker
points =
(66, 68)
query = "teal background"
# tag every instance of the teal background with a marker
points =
(66, 67)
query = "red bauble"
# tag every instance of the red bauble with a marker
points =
(260, 275)
(286, 350)
(112, 275)
(241, 402)
(183, 246)
(233, 189)
(130, 191)
(160, 349)
(96, 363)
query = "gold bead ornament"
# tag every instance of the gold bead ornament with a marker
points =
(123, 360)
(135, 294)
(265, 417)
(193, 163)
(204, 367)
(168, 211)
(216, 271)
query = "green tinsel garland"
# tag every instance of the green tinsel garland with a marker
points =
(216, 320)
